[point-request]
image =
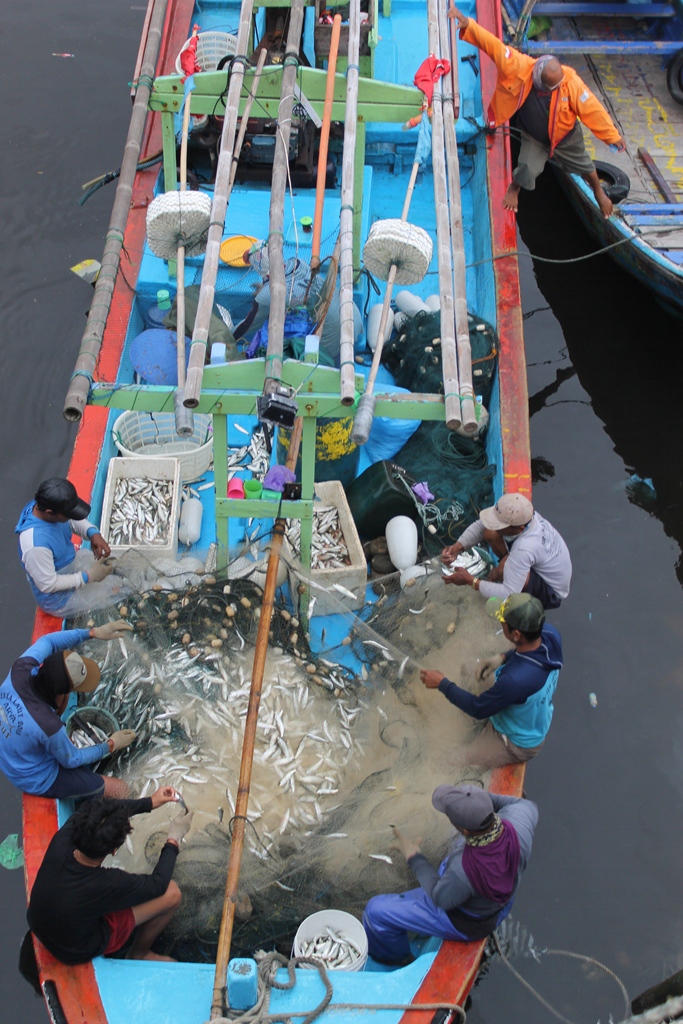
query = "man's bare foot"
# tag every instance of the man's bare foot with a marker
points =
(511, 197)
(604, 202)
(149, 955)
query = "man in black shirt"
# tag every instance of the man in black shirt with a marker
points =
(80, 910)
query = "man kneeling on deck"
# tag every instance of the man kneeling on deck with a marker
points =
(547, 98)
(519, 705)
(475, 886)
(80, 910)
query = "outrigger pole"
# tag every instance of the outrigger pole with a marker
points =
(221, 195)
(346, 305)
(91, 342)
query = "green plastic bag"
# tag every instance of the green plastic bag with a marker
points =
(11, 854)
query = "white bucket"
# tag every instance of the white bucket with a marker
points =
(346, 925)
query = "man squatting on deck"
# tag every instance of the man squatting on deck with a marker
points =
(65, 581)
(80, 910)
(547, 98)
(475, 886)
(518, 707)
(533, 558)
(35, 752)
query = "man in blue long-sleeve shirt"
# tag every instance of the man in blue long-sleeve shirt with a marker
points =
(518, 707)
(35, 752)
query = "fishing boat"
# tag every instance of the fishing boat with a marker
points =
(379, 51)
(630, 55)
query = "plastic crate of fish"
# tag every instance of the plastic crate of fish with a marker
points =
(344, 574)
(142, 506)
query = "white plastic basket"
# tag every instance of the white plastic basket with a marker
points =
(152, 435)
(211, 48)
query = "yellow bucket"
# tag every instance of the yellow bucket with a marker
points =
(336, 456)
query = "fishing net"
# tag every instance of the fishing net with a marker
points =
(413, 355)
(348, 741)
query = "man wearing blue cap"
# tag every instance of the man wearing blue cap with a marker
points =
(518, 707)
(475, 885)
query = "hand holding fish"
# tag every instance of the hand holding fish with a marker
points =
(165, 795)
(110, 630)
(460, 577)
(100, 548)
(405, 846)
(450, 553)
(431, 678)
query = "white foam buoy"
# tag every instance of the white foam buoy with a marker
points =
(433, 303)
(374, 317)
(412, 574)
(190, 526)
(410, 304)
(401, 535)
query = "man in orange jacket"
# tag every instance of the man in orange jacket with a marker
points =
(548, 98)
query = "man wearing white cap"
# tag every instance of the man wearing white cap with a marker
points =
(35, 752)
(475, 885)
(533, 557)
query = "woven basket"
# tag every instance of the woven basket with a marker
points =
(152, 435)
(211, 48)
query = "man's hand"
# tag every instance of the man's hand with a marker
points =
(164, 795)
(431, 678)
(460, 577)
(121, 739)
(462, 20)
(620, 146)
(405, 846)
(111, 630)
(100, 548)
(179, 827)
(449, 554)
(99, 571)
(486, 668)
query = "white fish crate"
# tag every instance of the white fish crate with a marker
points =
(150, 469)
(353, 577)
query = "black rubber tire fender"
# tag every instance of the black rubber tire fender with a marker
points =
(615, 182)
(674, 77)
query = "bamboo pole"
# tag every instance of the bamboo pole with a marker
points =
(91, 342)
(276, 265)
(443, 238)
(221, 196)
(324, 143)
(346, 305)
(242, 800)
(455, 67)
(245, 116)
(467, 407)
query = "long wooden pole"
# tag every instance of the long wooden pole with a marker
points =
(276, 265)
(242, 800)
(324, 143)
(468, 415)
(221, 195)
(91, 342)
(245, 116)
(346, 304)
(443, 237)
(455, 68)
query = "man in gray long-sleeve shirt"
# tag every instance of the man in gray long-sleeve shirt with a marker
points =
(475, 886)
(533, 557)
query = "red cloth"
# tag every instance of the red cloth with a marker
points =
(121, 925)
(428, 73)
(188, 58)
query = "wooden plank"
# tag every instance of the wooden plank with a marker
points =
(660, 209)
(605, 46)
(643, 220)
(570, 10)
(656, 175)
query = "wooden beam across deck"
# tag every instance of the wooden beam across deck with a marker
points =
(597, 10)
(605, 46)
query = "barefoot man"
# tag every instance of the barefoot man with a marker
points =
(79, 909)
(547, 98)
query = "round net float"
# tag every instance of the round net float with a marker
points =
(396, 241)
(235, 250)
(178, 218)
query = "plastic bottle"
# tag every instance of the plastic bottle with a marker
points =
(190, 521)
(156, 313)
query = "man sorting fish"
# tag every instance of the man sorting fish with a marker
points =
(548, 99)
(533, 557)
(65, 581)
(518, 706)
(80, 910)
(35, 752)
(475, 886)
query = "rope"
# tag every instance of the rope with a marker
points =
(268, 966)
(575, 259)
(560, 952)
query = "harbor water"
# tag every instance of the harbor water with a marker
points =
(604, 366)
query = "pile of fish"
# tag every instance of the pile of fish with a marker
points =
(336, 950)
(328, 548)
(141, 511)
(254, 456)
(82, 738)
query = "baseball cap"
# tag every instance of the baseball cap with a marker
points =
(509, 510)
(59, 495)
(521, 611)
(464, 806)
(83, 672)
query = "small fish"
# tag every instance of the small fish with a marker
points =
(381, 856)
(346, 593)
